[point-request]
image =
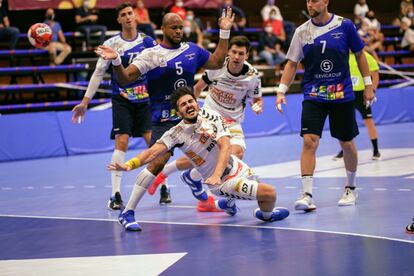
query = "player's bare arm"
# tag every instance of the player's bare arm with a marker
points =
(225, 22)
(141, 159)
(123, 75)
(222, 161)
(369, 96)
(199, 87)
(289, 73)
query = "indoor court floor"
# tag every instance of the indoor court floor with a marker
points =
(54, 220)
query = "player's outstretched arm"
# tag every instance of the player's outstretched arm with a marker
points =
(289, 73)
(141, 159)
(225, 22)
(222, 161)
(123, 75)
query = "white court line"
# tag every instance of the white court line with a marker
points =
(6, 189)
(88, 186)
(404, 190)
(220, 224)
(48, 187)
(69, 187)
(334, 188)
(381, 189)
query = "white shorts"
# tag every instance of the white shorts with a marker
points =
(240, 183)
(237, 134)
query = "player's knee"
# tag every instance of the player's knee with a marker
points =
(310, 142)
(266, 193)
(347, 145)
(238, 152)
(121, 142)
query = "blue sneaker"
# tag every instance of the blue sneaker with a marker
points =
(195, 186)
(223, 205)
(278, 213)
(127, 220)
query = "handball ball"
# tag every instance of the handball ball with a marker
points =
(40, 35)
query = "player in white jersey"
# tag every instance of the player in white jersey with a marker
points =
(205, 140)
(131, 113)
(229, 88)
(169, 65)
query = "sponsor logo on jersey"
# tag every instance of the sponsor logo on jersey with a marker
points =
(162, 60)
(326, 65)
(180, 83)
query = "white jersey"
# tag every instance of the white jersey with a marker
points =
(198, 141)
(227, 93)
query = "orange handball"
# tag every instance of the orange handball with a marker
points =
(40, 35)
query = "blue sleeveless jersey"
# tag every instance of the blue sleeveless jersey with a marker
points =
(137, 91)
(324, 51)
(166, 70)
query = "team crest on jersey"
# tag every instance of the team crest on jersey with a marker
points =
(180, 83)
(337, 35)
(162, 61)
(190, 56)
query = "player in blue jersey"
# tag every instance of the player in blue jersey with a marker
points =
(323, 44)
(131, 114)
(170, 65)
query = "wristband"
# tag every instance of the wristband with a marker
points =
(133, 163)
(282, 88)
(117, 61)
(367, 80)
(224, 34)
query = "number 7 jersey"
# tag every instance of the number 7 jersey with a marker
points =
(324, 50)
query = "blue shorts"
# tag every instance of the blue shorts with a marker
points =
(129, 118)
(342, 123)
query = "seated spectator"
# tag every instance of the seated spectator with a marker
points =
(58, 43)
(179, 9)
(270, 48)
(268, 8)
(190, 16)
(371, 29)
(191, 27)
(407, 42)
(277, 25)
(240, 22)
(360, 10)
(144, 23)
(406, 10)
(86, 19)
(6, 32)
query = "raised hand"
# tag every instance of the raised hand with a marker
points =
(106, 52)
(226, 20)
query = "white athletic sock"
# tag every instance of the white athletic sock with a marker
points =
(144, 179)
(266, 215)
(350, 178)
(117, 157)
(195, 175)
(170, 168)
(307, 183)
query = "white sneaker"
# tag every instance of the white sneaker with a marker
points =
(349, 197)
(305, 203)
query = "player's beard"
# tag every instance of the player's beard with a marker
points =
(173, 42)
(314, 13)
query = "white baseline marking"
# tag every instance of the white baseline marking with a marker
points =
(220, 224)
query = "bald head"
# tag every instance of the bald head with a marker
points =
(171, 18)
